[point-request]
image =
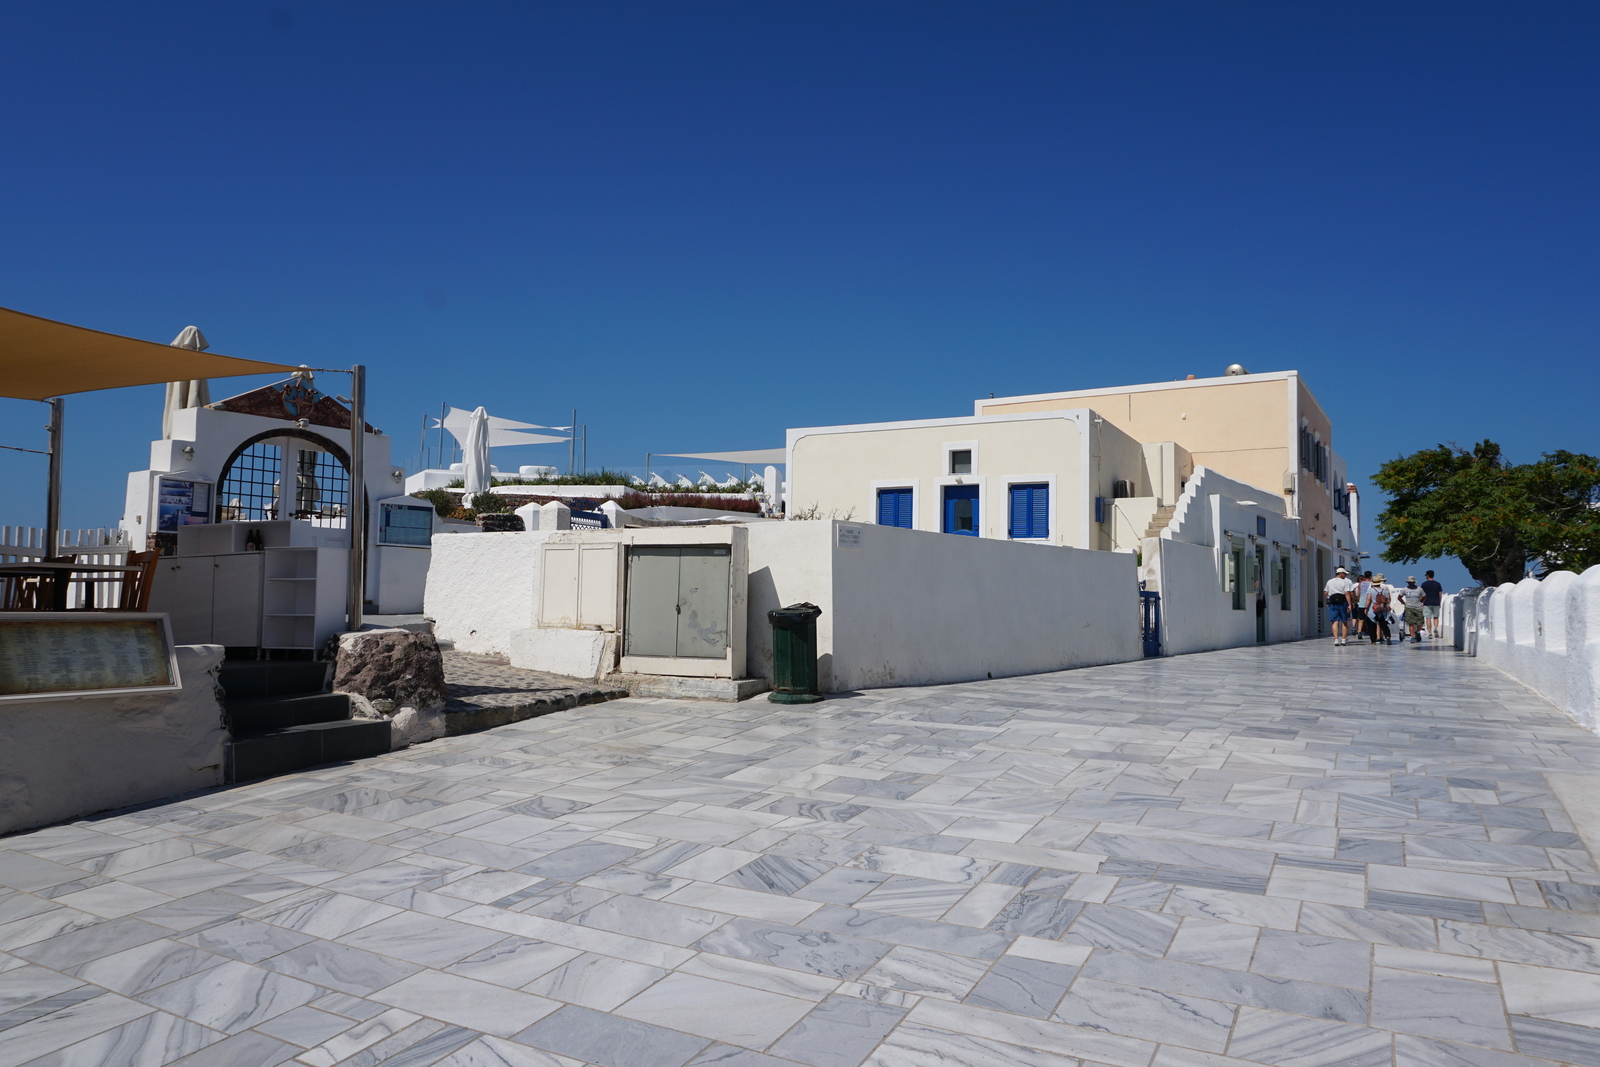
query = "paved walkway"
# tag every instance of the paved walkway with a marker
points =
(1294, 856)
(486, 691)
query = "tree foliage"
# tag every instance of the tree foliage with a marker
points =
(1495, 517)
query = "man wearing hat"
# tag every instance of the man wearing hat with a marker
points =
(1411, 600)
(1338, 593)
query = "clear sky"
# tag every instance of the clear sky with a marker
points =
(701, 223)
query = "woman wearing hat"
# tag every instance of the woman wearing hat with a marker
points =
(1382, 604)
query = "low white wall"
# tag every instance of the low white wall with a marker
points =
(913, 607)
(483, 587)
(1545, 634)
(907, 607)
(66, 758)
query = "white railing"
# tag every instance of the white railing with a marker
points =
(25, 544)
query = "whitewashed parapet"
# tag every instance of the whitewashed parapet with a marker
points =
(1545, 634)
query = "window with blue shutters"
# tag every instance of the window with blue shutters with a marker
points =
(1030, 510)
(894, 508)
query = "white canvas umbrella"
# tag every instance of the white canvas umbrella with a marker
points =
(190, 394)
(475, 456)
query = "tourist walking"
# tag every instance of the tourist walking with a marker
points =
(1411, 614)
(1378, 609)
(1358, 605)
(1432, 597)
(1337, 593)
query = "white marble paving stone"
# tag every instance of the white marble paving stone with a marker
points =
(149, 1041)
(719, 1010)
(1565, 996)
(926, 973)
(464, 1002)
(513, 961)
(231, 997)
(1272, 1037)
(360, 1036)
(495, 1052)
(146, 966)
(425, 939)
(595, 981)
(67, 1026)
(1168, 1018)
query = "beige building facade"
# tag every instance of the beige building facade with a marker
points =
(1266, 430)
(1033, 476)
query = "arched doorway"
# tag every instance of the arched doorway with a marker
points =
(251, 486)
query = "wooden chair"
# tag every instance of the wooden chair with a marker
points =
(136, 585)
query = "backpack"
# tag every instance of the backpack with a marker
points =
(1380, 601)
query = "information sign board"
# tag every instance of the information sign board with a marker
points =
(58, 654)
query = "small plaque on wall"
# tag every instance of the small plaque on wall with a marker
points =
(63, 654)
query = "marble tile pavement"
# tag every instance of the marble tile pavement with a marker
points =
(1295, 855)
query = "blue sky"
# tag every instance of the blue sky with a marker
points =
(700, 223)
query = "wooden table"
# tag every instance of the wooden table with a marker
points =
(62, 573)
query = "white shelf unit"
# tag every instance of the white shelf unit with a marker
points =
(282, 598)
(303, 597)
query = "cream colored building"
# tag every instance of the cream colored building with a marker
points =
(1266, 430)
(969, 475)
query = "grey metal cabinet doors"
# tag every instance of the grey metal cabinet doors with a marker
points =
(677, 601)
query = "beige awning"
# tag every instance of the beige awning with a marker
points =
(41, 358)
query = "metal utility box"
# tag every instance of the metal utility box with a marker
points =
(579, 585)
(684, 602)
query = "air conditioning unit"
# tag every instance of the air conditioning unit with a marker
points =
(1121, 488)
(1288, 482)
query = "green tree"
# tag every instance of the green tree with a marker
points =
(1495, 517)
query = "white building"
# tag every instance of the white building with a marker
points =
(228, 465)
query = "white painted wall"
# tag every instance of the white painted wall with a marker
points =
(483, 588)
(66, 758)
(912, 607)
(1197, 611)
(1546, 634)
(905, 608)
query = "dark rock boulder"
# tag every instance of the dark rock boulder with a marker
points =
(398, 666)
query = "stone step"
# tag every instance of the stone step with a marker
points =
(295, 748)
(258, 714)
(1159, 520)
(243, 678)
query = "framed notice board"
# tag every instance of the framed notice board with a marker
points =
(53, 654)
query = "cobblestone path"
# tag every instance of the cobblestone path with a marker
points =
(1295, 856)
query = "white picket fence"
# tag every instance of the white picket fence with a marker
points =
(24, 544)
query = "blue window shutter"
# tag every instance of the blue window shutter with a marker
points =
(1030, 511)
(894, 508)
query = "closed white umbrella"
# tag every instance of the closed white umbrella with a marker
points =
(190, 394)
(475, 456)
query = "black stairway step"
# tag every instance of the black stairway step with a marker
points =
(256, 714)
(272, 678)
(285, 751)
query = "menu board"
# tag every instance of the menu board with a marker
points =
(51, 654)
(180, 502)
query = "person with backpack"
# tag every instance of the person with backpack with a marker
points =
(1358, 605)
(1410, 599)
(1378, 610)
(1337, 593)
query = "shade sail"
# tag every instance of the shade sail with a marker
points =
(501, 431)
(760, 455)
(41, 358)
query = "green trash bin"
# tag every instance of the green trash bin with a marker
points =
(794, 654)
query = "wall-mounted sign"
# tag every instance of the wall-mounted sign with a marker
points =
(849, 537)
(57, 654)
(182, 502)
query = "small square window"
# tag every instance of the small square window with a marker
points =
(961, 461)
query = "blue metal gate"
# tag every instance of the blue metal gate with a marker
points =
(1150, 620)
